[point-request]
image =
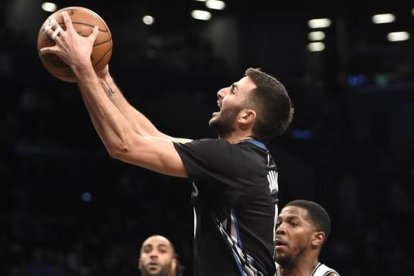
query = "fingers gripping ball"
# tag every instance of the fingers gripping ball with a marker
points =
(84, 21)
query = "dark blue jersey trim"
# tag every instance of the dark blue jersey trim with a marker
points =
(257, 143)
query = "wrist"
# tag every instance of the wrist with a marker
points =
(82, 70)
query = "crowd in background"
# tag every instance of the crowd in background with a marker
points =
(66, 208)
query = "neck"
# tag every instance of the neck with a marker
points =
(298, 269)
(235, 138)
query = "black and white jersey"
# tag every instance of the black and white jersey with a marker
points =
(319, 270)
(322, 270)
(235, 206)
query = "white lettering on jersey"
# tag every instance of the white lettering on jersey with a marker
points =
(273, 187)
(272, 178)
(194, 193)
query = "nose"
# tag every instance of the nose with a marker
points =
(279, 229)
(153, 254)
(221, 93)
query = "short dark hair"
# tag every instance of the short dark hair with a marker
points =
(272, 103)
(318, 216)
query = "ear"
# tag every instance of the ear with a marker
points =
(318, 239)
(173, 268)
(247, 116)
(174, 264)
(139, 264)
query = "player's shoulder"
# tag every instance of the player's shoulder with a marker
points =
(324, 270)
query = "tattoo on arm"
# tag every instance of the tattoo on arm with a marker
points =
(109, 90)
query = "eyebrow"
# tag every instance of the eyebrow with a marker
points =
(150, 246)
(288, 217)
(235, 86)
(146, 246)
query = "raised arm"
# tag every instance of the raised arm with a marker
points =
(132, 143)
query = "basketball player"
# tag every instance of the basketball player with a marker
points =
(301, 230)
(158, 258)
(234, 177)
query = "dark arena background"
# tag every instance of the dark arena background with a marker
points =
(67, 208)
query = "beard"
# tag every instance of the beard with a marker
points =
(223, 122)
(289, 259)
(162, 271)
(284, 261)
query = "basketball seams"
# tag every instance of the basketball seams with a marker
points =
(91, 26)
(84, 21)
(103, 57)
(103, 42)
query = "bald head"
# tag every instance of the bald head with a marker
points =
(157, 257)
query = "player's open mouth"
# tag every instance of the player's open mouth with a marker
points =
(279, 242)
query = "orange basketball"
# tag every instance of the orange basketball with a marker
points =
(84, 20)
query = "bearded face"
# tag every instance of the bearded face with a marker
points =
(156, 257)
(231, 101)
(223, 122)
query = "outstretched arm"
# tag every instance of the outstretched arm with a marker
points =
(119, 137)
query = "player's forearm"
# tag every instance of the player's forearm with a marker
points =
(111, 126)
(121, 141)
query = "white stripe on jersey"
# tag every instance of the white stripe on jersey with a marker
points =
(322, 270)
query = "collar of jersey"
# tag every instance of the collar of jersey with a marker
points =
(256, 143)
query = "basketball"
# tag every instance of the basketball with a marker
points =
(84, 20)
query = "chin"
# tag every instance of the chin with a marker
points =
(283, 260)
(212, 121)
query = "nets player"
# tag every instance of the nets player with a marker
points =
(301, 230)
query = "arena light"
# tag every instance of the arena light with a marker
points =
(316, 46)
(398, 36)
(201, 15)
(316, 36)
(215, 5)
(383, 18)
(318, 23)
(49, 7)
(86, 197)
(148, 20)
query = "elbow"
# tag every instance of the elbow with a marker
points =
(115, 154)
(117, 151)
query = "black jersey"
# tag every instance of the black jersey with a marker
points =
(235, 206)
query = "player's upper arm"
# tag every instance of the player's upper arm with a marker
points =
(157, 154)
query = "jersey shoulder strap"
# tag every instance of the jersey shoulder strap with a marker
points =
(322, 270)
